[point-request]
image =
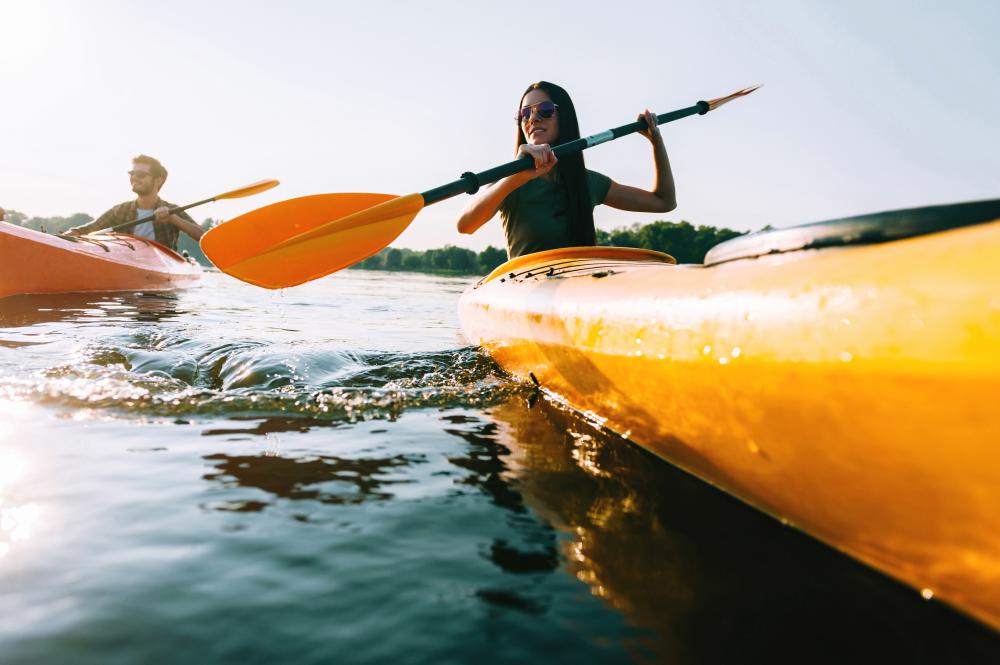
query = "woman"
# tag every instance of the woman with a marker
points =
(552, 205)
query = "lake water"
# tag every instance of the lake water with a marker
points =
(331, 475)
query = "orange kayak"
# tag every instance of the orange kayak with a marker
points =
(841, 376)
(33, 262)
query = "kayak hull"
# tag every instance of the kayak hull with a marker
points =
(38, 263)
(847, 391)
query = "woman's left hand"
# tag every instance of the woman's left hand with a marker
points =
(652, 132)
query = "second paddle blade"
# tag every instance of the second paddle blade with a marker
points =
(296, 241)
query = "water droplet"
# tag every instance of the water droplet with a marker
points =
(752, 446)
(707, 349)
(736, 352)
(926, 594)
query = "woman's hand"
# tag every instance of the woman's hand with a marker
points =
(653, 130)
(485, 204)
(545, 159)
(663, 196)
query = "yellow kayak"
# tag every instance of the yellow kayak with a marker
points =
(842, 376)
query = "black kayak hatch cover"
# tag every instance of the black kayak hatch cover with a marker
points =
(860, 230)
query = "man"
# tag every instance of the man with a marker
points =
(147, 177)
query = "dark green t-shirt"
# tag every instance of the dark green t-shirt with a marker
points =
(539, 217)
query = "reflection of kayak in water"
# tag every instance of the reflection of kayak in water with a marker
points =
(36, 263)
(713, 579)
(29, 310)
(844, 389)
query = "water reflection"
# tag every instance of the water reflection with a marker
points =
(531, 552)
(272, 425)
(324, 478)
(715, 580)
(22, 311)
(327, 479)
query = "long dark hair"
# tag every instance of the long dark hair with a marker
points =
(570, 172)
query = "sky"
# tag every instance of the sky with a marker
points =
(866, 106)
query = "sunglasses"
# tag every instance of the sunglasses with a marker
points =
(543, 109)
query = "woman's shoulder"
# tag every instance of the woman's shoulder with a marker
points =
(596, 176)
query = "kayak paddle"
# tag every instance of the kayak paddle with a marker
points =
(249, 190)
(299, 240)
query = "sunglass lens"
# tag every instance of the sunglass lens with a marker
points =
(543, 109)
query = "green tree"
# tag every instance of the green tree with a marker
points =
(393, 259)
(414, 262)
(373, 262)
(681, 240)
(16, 218)
(490, 259)
(460, 260)
(625, 236)
(673, 238)
(57, 224)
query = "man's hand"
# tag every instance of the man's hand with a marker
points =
(162, 215)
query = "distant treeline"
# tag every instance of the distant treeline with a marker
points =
(682, 240)
(54, 225)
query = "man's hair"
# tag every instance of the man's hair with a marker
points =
(155, 168)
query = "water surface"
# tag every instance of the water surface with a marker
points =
(330, 474)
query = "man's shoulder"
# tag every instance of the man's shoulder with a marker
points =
(117, 211)
(124, 205)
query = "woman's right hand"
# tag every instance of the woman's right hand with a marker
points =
(545, 159)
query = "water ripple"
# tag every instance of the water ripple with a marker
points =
(159, 376)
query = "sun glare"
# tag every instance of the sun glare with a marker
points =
(18, 523)
(33, 37)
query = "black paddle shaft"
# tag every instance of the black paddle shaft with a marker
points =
(149, 218)
(470, 182)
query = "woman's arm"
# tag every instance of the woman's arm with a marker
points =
(663, 197)
(485, 204)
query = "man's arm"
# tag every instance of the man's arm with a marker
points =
(109, 218)
(182, 221)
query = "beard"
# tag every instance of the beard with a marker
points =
(142, 188)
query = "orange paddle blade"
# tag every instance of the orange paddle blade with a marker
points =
(249, 190)
(716, 103)
(264, 228)
(295, 241)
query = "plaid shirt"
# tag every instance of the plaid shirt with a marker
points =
(166, 234)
